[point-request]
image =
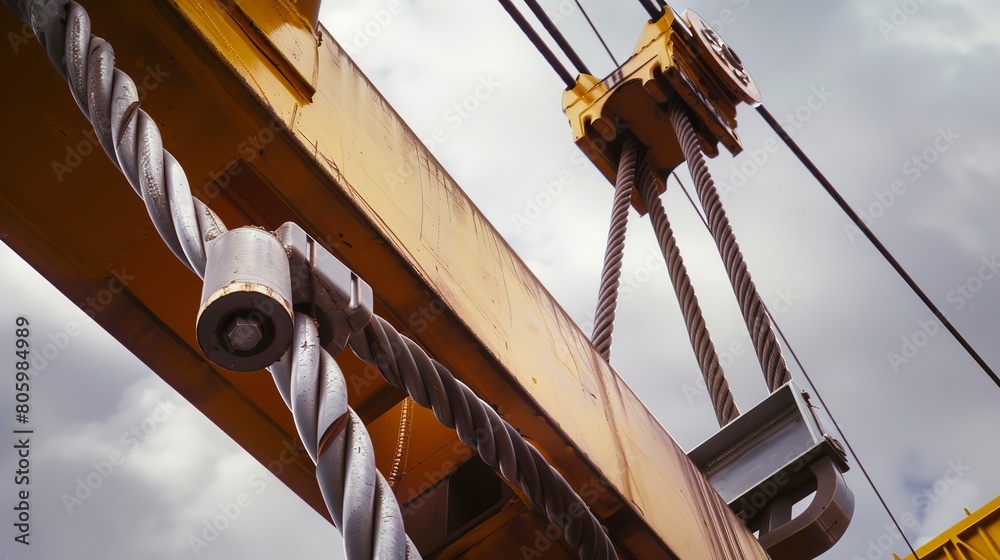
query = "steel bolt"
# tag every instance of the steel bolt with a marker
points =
(245, 333)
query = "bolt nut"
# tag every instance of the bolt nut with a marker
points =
(245, 333)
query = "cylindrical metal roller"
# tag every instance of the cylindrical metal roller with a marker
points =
(245, 320)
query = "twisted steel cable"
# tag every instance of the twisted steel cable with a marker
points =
(356, 494)
(402, 363)
(754, 314)
(701, 340)
(607, 295)
(109, 99)
(359, 499)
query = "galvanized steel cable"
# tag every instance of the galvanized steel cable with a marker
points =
(402, 363)
(360, 500)
(557, 36)
(357, 495)
(651, 9)
(874, 240)
(109, 99)
(819, 396)
(701, 340)
(607, 295)
(539, 44)
(761, 334)
(593, 28)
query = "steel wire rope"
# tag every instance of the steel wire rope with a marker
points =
(761, 334)
(308, 379)
(353, 489)
(596, 32)
(882, 249)
(701, 341)
(557, 36)
(539, 44)
(819, 396)
(404, 364)
(607, 294)
(651, 9)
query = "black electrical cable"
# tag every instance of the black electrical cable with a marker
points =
(596, 32)
(875, 241)
(545, 51)
(651, 9)
(819, 396)
(559, 39)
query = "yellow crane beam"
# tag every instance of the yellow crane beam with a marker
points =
(977, 536)
(273, 122)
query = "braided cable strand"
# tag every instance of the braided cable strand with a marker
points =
(701, 340)
(405, 365)
(109, 99)
(754, 314)
(607, 298)
(359, 499)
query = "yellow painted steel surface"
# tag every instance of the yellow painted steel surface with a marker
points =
(273, 122)
(977, 537)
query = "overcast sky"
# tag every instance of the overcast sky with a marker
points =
(869, 84)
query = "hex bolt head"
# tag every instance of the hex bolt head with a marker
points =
(244, 333)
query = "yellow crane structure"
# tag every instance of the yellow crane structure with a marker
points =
(274, 124)
(976, 537)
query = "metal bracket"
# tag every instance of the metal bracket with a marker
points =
(340, 301)
(254, 282)
(680, 57)
(767, 460)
